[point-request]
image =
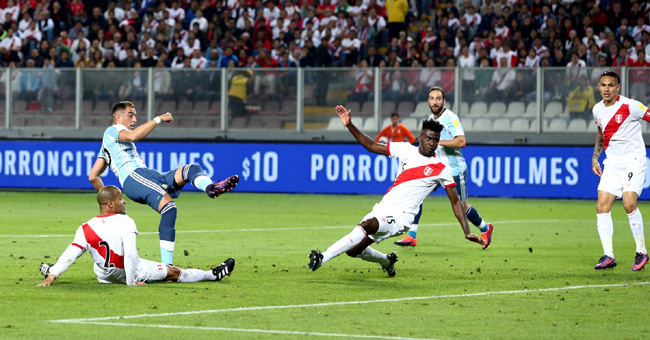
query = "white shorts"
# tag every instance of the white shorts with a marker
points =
(391, 222)
(618, 179)
(148, 271)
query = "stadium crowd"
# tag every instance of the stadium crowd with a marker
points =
(284, 33)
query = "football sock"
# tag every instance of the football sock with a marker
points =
(636, 224)
(194, 174)
(373, 255)
(606, 231)
(475, 218)
(346, 243)
(413, 231)
(196, 275)
(167, 232)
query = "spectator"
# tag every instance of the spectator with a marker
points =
(287, 79)
(396, 11)
(227, 57)
(501, 84)
(29, 82)
(395, 132)
(639, 77)
(32, 36)
(379, 23)
(203, 22)
(238, 93)
(364, 78)
(198, 60)
(266, 78)
(10, 47)
(581, 100)
(350, 46)
(467, 61)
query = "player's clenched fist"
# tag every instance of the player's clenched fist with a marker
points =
(166, 117)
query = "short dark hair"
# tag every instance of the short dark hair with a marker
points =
(430, 124)
(438, 88)
(610, 73)
(119, 106)
(394, 114)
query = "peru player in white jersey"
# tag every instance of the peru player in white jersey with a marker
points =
(619, 134)
(110, 239)
(420, 172)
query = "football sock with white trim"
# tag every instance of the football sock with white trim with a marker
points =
(194, 174)
(346, 243)
(196, 275)
(413, 230)
(167, 232)
(636, 225)
(373, 255)
(606, 232)
(475, 218)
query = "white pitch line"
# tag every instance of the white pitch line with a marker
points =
(342, 303)
(252, 330)
(294, 228)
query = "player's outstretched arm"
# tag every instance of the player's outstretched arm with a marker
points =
(145, 129)
(361, 137)
(67, 259)
(96, 172)
(459, 212)
(598, 149)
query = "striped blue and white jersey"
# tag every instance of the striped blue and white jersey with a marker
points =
(451, 128)
(122, 157)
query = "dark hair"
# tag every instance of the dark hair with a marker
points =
(610, 73)
(121, 106)
(394, 114)
(438, 88)
(430, 124)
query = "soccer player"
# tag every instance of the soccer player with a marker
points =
(421, 171)
(144, 185)
(619, 134)
(452, 140)
(110, 238)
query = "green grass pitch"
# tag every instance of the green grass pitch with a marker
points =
(536, 281)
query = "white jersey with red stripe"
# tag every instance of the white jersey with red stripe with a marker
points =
(620, 124)
(418, 176)
(110, 239)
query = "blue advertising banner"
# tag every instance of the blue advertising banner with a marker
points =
(495, 171)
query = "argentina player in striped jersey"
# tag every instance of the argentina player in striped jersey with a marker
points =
(145, 185)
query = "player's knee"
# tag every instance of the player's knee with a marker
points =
(629, 207)
(602, 208)
(370, 226)
(173, 273)
(353, 253)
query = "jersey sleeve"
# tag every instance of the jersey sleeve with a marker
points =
(77, 248)
(453, 125)
(395, 149)
(131, 257)
(446, 179)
